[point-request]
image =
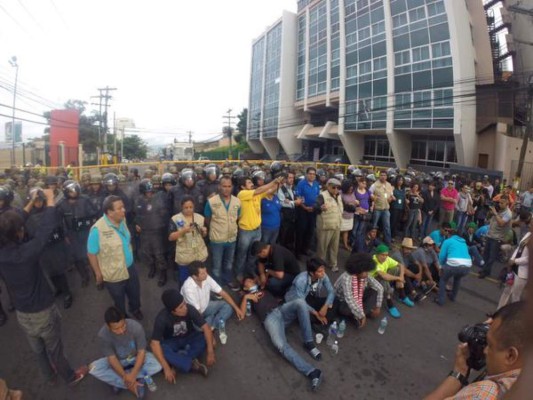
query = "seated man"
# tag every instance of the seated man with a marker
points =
(126, 363)
(390, 273)
(310, 286)
(276, 318)
(456, 263)
(424, 262)
(359, 295)
(505, 356)
(474, 244)
(276, 267)
(175, 341)
(413, 272)
(197, 289)
(440, 235)
(367, 243)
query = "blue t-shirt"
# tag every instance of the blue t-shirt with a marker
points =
(270, 213)
(308, 192)
(93, 243)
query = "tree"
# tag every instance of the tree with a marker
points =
(134, 148)
(241, 126)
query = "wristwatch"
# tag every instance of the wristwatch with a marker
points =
(460, 377)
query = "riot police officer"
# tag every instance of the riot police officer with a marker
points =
(187, 186)
(210, 184)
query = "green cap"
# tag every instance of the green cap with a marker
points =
(453, 226)
(382, 248)
(472, 225)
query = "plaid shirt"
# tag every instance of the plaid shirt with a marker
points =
(492, 388)
(344, 292)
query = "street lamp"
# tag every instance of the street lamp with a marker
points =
(13, 63)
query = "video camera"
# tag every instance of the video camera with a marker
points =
(476, 338)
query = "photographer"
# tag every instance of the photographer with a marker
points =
(499, 224)
(503, 353)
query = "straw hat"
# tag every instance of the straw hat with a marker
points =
(408, 243)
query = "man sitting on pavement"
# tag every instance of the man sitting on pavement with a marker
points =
(367, 243)
(310, 286)
(425, 263)
(175, 341)
(276, 267)
(359, 295)
(391, 274)
(126, 362)
(504, 354)
(413, 272)
(276, 318)
(197, 290)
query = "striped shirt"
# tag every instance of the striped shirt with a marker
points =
(344, 291)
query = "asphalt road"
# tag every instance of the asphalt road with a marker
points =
(412, 357)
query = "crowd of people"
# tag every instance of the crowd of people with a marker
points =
(248, 229)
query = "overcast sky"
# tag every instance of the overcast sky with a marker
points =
(178, 65)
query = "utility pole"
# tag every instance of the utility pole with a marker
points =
(527, 135)
(14, 64)
(190, 136)
(104, 98)
(229, 130)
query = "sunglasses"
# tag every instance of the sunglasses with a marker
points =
(336, 187)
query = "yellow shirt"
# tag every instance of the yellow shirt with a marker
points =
(250, 209)
(383, 267)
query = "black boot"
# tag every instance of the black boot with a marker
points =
(3, 316)
(162, 278)
(151, 273)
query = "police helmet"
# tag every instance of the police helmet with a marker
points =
(6, 194)
(212, 170)
(156, 179)
(71, 187)
(51, 180)
(110, 179)
(168, 178)
(258, 175)
(146, 186)
(187, 174)
(276, 167)
(371, 177)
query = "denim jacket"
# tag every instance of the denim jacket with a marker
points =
(301, 286)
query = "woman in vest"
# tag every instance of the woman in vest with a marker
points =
(188, 230)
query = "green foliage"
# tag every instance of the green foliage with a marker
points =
(134, 148)
(222, 153)
(241, 126)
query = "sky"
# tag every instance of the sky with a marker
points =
(177, 65)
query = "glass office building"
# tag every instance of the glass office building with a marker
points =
(383, 81)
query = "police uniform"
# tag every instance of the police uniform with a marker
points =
(180, 191)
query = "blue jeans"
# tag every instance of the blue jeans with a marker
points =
(411, 230)
(457, 273)
(462, 217)
(359, 229)
(269, 236)
(181, 273)
(474, 253)
(130, 288)
(426, 223)
(383, 216)
(244, 244)
(275, 325)
(222, 260)
(490, 254)
(180, 351)
(217, 310)
(43, 330)
(102, 370)
(278, 287)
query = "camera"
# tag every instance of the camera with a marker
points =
(476, 338)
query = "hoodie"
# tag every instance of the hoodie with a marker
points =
(454, 253)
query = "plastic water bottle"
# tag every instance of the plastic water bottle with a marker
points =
(332, 334)
(335, 348)
(150, 384)
(383, 325)
(248, 308)
(222, 332)
(342, 329)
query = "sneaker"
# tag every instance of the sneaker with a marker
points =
(234, 286)
(419, 297)
(393, 311)
(313, 351)
(199, 368)
(79, 374)
(407, 301)
(316, 379)
(138, 315)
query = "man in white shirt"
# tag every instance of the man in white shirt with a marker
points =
(197, 291)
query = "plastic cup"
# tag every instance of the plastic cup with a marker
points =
(319, 338)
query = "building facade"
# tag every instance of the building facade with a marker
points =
(383, 81)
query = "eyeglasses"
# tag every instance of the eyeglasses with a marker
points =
(336, 187)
